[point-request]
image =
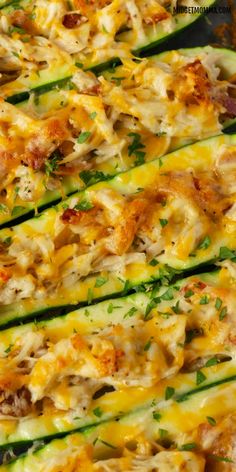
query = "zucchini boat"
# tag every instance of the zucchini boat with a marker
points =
(182, 402)
(65, 139)
(93, 365)
(97, 32)
(136, 445)
(171, 214)
(124, 356)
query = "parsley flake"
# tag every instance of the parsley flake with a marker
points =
(156, 416)
(98, 412)
(169, 393)
(211, 420)
(218, 303)
(200, 377)
(163, 222)
(130, 313)
(100, 281)
(83, 137)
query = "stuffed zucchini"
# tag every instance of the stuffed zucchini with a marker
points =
(57, 142)
(114, 359)
(137, 446)
(174, 213)
(93, 33)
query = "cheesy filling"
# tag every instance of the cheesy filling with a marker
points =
(38, 373)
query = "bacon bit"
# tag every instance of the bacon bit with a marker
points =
(200, 285)
(73, 217)
(230, 104)
(70, 216)
(156, 18)
(73, 20)
(5, 275)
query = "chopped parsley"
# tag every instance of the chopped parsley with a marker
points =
(7, 241)
(211, 362)
(220, 458)
(200, 377)
(130, 313)
(152, 304)
(211, 420)
(204, 300)
(93, 115)
(83, 205)
(162, 433)
(112, 307)
(226, 253)
(176, 309)
(117, 80)
(218, 303)
(153, 262)
(205, 243)
(169, 393)
(83, 137)
(223, 313)
(135, 148)
(100, 281)
(90, 177)
(3, 208)
(18, 210)
(51, 165)
(9, 348)
(90, 296)
(168, 294)
(107, 444)
(163, 222)
(156, 416)
(188, 447)
(16, 29)
(148, 344)
(188, 294)
(98, 412)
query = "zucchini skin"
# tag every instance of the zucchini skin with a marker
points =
(126, 183)
(39, 90)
